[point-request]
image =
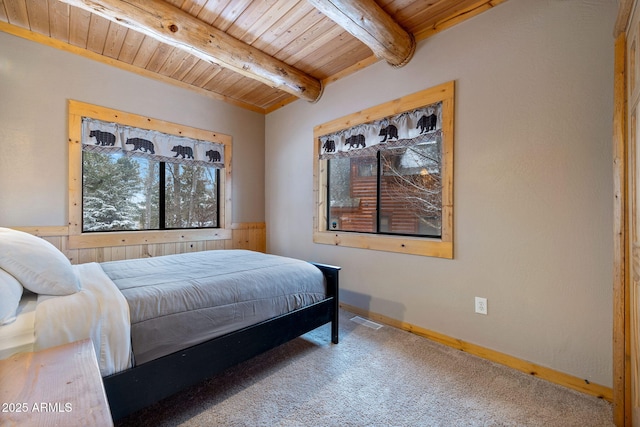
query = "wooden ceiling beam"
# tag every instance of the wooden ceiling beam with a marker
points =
(370, 24)
(171, 25)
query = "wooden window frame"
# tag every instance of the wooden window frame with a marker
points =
(80, 240)
(434, 247)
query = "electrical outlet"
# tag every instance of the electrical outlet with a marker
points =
(481, 305)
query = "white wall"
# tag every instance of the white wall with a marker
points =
(532, 188)
(36, 82)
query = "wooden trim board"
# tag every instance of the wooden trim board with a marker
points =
(621, 378)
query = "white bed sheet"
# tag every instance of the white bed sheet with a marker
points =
(99, 311)
(18, 336)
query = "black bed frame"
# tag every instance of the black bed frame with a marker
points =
(150, 382)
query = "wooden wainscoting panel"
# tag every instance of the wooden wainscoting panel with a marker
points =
(118, 253)
(213, 245)
(250, 236)
(87, 255)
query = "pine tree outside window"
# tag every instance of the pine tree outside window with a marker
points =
(125, 193)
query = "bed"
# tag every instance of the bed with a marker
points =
(159, 324)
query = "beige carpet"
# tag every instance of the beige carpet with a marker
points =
(383, 377)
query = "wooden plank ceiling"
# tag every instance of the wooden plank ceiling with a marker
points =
(257, 54)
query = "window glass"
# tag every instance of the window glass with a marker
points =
(352, 194)
(191, 199)
(122, 192)
(411, 190)
(405, 199)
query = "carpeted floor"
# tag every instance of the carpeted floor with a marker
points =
(383, 377)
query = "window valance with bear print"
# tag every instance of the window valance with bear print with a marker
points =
(107, 137)
(409, 128)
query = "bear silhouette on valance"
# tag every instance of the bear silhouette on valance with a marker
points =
(107, 137)
(418, 126)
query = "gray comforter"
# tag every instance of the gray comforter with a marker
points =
(177, 301)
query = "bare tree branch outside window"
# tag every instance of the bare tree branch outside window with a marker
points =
(412, 182)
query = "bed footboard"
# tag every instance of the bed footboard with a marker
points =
(150, 382)
(331, 274)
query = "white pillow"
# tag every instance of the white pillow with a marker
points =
(36, 263)
(10, 294)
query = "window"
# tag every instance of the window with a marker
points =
(384, 176)
(397, 191)
(137, 180)
(128, 193)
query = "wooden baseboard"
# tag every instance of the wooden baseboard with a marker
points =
(548, 374)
